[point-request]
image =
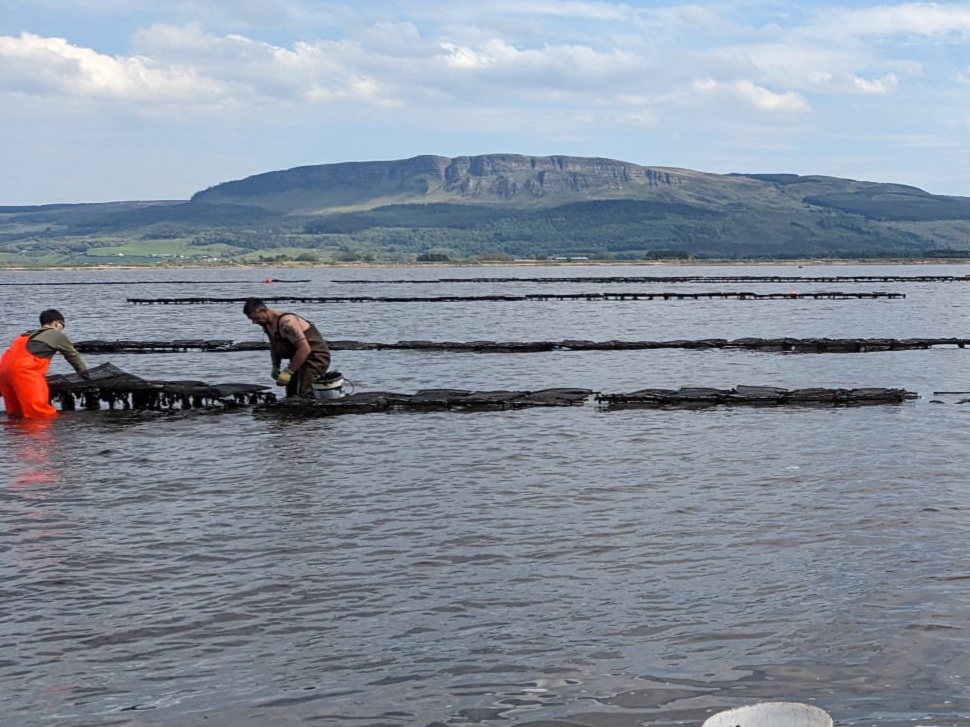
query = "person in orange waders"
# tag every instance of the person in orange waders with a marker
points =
(23, 368)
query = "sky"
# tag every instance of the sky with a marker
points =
(106, 100)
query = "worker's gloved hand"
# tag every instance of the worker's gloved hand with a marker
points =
(284, 378)
(275, 374)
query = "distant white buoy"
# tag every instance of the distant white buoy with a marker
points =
(771, 714)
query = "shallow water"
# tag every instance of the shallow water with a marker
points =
(536, 567)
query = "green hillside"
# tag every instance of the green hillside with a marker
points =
(497, 207)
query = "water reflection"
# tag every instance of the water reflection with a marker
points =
(32, 441)
(32, 484)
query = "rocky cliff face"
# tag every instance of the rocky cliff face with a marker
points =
(509, 175)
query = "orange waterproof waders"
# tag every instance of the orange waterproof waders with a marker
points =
(23, 382)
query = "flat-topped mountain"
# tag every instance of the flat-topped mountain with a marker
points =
(513, 180)
(495, 205)
(493, 179)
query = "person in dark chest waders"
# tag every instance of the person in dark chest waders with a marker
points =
(295, 339)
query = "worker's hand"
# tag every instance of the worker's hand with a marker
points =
(284, 378)
(275, 374)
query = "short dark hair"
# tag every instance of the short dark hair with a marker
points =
(252, 305)
(51, 316)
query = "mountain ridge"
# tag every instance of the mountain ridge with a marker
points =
(503, 205)
(501, 179)
(535, 181)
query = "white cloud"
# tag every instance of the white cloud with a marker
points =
(754, 96)
(878, 86)
(851, 83)
(866, 51)
(307, 71)
(499, 72)
(810, 67)
(484, 13)
(463, 58)
(52, 66)
(394, 62)
(189, 66)
(943, 22)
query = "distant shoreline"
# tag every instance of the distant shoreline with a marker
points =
(490, 264)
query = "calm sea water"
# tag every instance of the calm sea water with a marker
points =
(545, 567)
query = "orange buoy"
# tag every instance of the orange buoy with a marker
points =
(268, 280)
(793, 294)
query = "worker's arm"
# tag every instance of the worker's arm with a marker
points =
(293, 333)
(49, 341)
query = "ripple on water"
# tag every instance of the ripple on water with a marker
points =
(541, 566)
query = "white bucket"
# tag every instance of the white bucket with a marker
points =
(329, 389)
(771, 714)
